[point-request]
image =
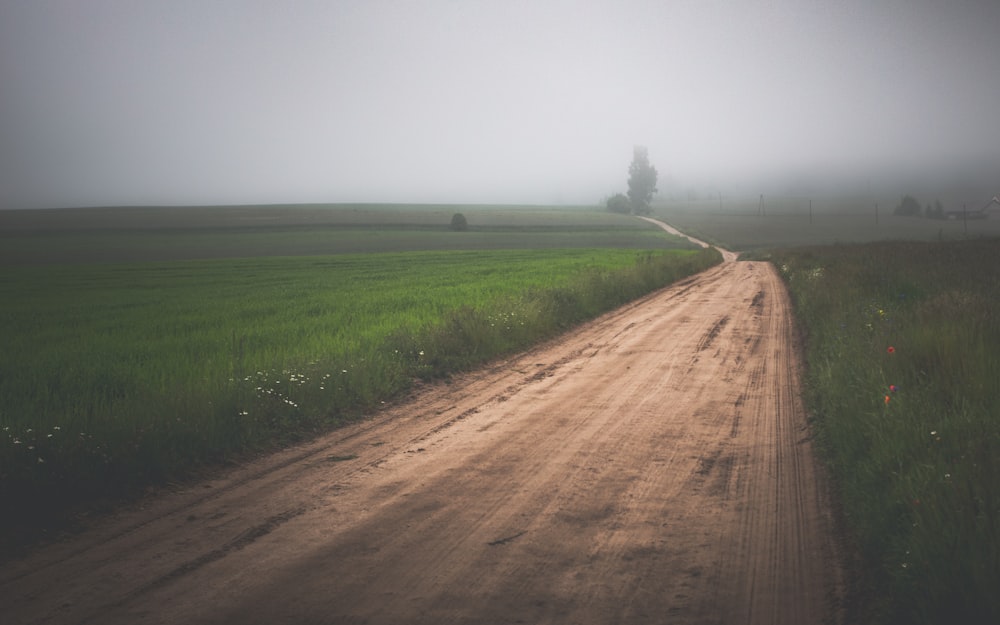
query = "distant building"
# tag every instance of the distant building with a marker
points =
(992, 208)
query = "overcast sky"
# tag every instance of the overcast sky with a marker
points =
(214, 101)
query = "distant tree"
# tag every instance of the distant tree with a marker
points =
(459, 223)
(641, 181)
(934, 212)
(619, 203)
(908, 206)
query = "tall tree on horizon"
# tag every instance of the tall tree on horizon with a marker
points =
(641, 181)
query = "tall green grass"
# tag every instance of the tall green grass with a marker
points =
(113, 377)
(903, 380)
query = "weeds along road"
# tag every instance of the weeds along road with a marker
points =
(653, 466)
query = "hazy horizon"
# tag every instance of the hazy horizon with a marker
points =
(229, 102)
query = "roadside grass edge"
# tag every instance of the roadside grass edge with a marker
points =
(901, 386)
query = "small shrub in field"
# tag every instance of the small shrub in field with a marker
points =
(459, 223)
(619, 203)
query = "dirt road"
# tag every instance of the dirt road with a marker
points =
(653, 466)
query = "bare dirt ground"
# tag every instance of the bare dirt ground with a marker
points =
(653, 466)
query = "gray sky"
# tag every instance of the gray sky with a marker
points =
(214, 101)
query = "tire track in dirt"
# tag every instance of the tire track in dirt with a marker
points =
(652, 466)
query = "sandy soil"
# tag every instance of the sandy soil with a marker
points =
(654, 466)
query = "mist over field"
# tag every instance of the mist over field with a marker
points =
(185, 102)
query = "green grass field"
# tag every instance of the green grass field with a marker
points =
(185, 233)
(118, 374)
(902, 383)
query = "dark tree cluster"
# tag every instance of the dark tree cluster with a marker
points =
(910, 207)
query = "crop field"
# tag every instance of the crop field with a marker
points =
(787, 221)
(902, 381)
(178, 233)
(116, 375)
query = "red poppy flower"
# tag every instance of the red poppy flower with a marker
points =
(891, 350)
(886, 399)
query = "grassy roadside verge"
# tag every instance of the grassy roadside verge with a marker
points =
(902, 383)
(116, 377)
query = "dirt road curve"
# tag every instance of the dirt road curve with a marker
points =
(726, 254)
(652, 467)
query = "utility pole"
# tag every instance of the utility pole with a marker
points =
(876, 213)
(810, 211)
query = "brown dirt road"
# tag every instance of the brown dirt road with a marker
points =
(652, 466)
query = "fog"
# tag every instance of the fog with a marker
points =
(178, 102)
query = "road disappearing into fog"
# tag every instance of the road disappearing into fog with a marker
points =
(652, 466)
(727, 255)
